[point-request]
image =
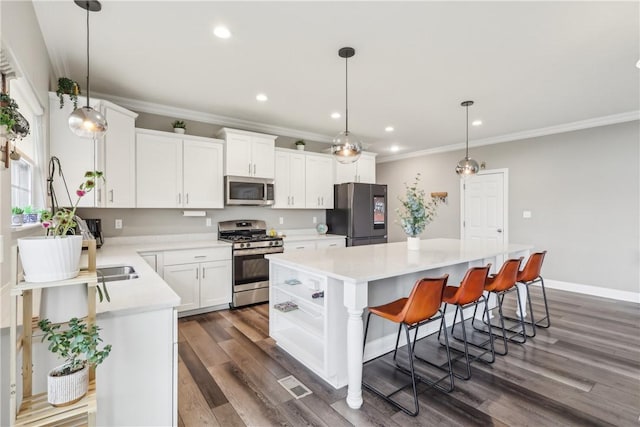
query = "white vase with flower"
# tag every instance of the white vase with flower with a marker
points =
(416, 213)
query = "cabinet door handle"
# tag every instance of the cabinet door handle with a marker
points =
(249, 168)
(292, 202)
(200, 256)
(187, 196)
(99, 195)
(254, 169)
(179, 198)
(299, 247)
(203, 272)
(111, 196)
(198, 273)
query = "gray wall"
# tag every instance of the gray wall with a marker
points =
(582, 188)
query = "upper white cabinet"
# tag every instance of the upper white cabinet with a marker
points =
(178, 171)
(113, 154)
(363, 170)
(76, 154)
(248, 153)
(289, 179)
(116, 157)
(319, 182)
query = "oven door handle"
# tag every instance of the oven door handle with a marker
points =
(258, 251)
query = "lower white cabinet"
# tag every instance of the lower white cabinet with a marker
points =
(319, 243)
(200, 277)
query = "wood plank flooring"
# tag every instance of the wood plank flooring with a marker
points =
(583, 371)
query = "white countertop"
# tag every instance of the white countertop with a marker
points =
(147, 292)
(373, 262)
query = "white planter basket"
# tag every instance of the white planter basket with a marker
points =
(47, 259)
(67, 389)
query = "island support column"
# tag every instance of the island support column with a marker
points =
(355, 299)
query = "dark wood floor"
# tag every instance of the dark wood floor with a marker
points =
(583, 371)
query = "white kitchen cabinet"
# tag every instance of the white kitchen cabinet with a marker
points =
(154, 259)
(323, 242)
(248, 154)
(363, 170)
(319, 181)
(177, 171)
(201, 277)
(116, 157)
(289, 179)
(327, 243)
(76, 154)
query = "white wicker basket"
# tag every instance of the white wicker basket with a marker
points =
(67, 389)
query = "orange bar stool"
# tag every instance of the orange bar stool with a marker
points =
(469, 293)
(421, 307)
(529, 275)
(500, 285)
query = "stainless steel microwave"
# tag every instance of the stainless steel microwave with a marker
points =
(240, 190)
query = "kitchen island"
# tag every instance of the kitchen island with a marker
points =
(317, 298)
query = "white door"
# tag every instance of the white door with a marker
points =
(158, 171)
(215, 283)
(238, 157)
(184, 279)
(119, 159)
(262, 157)
(297, 180)
(484, 207)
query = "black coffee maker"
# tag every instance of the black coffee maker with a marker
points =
(95, 227)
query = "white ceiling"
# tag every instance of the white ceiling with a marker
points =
(527, 65)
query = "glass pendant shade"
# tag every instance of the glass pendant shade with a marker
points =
(87, 122)
(467, 166)
(346, 148)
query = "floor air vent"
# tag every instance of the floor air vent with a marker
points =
(294, 387)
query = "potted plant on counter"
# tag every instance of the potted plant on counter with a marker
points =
(78, 346)
(300, 144)
(179, 126)
(416, 213)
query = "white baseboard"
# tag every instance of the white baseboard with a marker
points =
(593, 290)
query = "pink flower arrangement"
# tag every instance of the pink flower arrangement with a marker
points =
(62, 221)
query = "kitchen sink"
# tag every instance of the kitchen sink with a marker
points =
(116, 273)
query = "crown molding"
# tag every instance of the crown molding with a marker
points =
(215, 119)
(517, 136)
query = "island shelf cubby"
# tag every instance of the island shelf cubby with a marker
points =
(34, 409)
(302, 332)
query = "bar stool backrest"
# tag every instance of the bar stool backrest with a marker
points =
(424, 300)
(471, 286)
(532, 268)
(506, 277)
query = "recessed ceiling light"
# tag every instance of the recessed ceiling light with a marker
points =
(394, 148)
(261, 97)
(476, 123)
(389, 129)
(336, 115)
(222, 32)
(638, 63)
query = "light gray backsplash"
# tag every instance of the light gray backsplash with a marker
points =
(145, 222)
(582, 188)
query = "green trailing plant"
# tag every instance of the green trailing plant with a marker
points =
(179, 124)
(8, 111)
(77, 345)
(70, 88)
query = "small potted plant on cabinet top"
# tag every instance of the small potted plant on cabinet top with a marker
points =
(300, 144)
(70, 88)
(78, 346)
(179, 126)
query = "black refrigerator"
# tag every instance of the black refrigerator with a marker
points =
(359, 212)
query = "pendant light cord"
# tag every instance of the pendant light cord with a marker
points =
(467, 153)
(88, 106)
(346, 95)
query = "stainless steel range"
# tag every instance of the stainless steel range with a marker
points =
(250, 268)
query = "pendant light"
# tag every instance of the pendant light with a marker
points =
(85, 121)
(467, 166)
(346, 147)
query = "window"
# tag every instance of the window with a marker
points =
(21, 182)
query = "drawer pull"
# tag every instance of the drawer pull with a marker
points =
(200, 256)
